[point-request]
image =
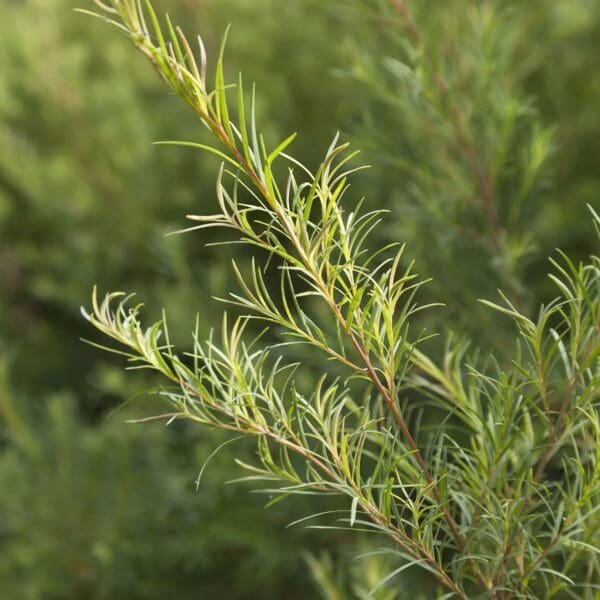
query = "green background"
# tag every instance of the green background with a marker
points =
(93, 507)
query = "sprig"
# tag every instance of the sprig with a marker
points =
(470, 501)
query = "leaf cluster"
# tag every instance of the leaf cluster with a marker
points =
(502, 498)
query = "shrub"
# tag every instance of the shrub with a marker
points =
(480, 468)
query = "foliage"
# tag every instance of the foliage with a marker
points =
(81, 191)
(500, 497)
(85, 195)
(87, 510)
(468, 157)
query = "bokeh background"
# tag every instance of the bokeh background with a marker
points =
(468, 105)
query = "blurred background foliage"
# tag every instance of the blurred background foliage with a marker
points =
(480, 122)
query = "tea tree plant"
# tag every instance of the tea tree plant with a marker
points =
(501, 499)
